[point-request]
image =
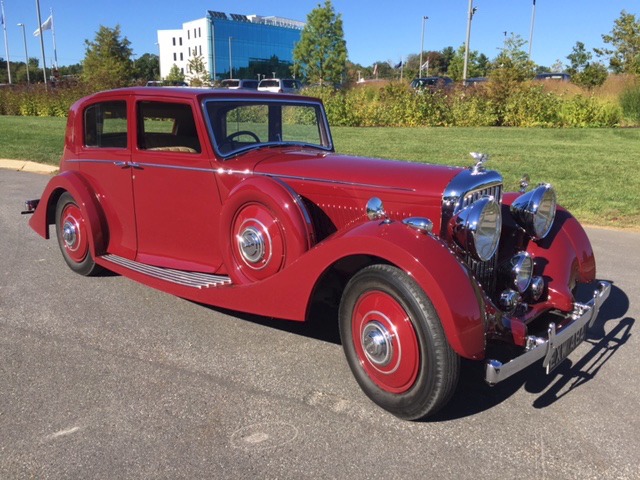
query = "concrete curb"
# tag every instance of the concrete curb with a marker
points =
(27, 166)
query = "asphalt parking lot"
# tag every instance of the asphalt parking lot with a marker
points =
(106, 378)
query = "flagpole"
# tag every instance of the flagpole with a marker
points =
(6, 43)
(53, 35)
(44, 63)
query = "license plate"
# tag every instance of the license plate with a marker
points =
(561, 351)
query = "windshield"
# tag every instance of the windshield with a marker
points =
(241, 125)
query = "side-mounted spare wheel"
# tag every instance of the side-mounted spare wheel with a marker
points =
(395, 344)
(265, 227)
(73, 236)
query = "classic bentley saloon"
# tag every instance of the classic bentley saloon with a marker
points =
(237, 199)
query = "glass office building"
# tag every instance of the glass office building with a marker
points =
(232, 45)
(245, 46)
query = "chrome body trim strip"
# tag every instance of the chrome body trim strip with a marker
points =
(230, 171)
(582, 316)
(180, 277)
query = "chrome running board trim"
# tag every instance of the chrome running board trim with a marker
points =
(180, 277)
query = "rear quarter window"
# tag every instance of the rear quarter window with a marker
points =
(105, 125)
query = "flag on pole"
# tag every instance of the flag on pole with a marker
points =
(45, 26)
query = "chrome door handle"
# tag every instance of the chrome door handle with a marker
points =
(121, 164)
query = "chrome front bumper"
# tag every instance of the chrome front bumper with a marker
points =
(557, 346)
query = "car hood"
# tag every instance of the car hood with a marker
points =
(312, 170)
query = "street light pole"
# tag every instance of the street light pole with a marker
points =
(472, 10)
(230, 60)
(26, 53)
(533, 19)
(424, 19)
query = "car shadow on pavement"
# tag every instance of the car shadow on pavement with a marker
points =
(474, 395)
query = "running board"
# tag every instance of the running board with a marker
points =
(180, 277)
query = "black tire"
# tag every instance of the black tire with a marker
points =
(73, 237)
(411, 373)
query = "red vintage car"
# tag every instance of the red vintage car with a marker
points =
(237, 199)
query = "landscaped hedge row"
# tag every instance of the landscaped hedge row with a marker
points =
(36, 100)
(525, 105)
(395, 105)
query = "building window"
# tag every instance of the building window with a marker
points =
(188, 34)
(174, 41)
(180, 40)
(181, 58)
(182, 71)
(174, 56)
(199, 32)
(200, 48)
(189, 51)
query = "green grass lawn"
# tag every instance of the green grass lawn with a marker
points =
(595, 171)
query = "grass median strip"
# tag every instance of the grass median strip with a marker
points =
(595, 171)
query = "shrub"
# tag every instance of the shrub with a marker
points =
(630, 103)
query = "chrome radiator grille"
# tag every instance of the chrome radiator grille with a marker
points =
(465, 189)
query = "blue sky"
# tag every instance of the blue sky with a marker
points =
(375, 30)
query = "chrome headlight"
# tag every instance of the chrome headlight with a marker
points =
(535, 210)
(477, 228)
(521, 271)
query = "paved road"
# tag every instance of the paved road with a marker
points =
(106, 378)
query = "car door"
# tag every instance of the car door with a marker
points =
(103, 158)
(175, 191)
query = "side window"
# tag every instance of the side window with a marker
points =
(167, 127)
(105, 125)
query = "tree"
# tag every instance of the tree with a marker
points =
(583, 71)
(478, 64)
(147, 67)
(175, 75)
(199, 76)
(512, 63)
(625, 39)
(107, 62)
(321, 54)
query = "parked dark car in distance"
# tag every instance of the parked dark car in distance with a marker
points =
(559, 77)
(431, 83)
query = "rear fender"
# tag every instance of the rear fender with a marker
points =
(72, 182)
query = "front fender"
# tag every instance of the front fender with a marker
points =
(565, 257)
(72, 182)
(448, 284)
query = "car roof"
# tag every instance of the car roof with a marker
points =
(194, 93)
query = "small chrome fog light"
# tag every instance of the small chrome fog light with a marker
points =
(521, 271)
(509, 300)
(536, 288)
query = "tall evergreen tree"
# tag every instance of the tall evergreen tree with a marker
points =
(107, 62)
(321, 54)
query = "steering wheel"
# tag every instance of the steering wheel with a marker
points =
(239, 133)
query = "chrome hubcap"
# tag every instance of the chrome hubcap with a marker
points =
(377, 343)
(70, 234)
(252, 245)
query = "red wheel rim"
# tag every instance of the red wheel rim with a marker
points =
(73, 233)
(385, 341)
(258, 243)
